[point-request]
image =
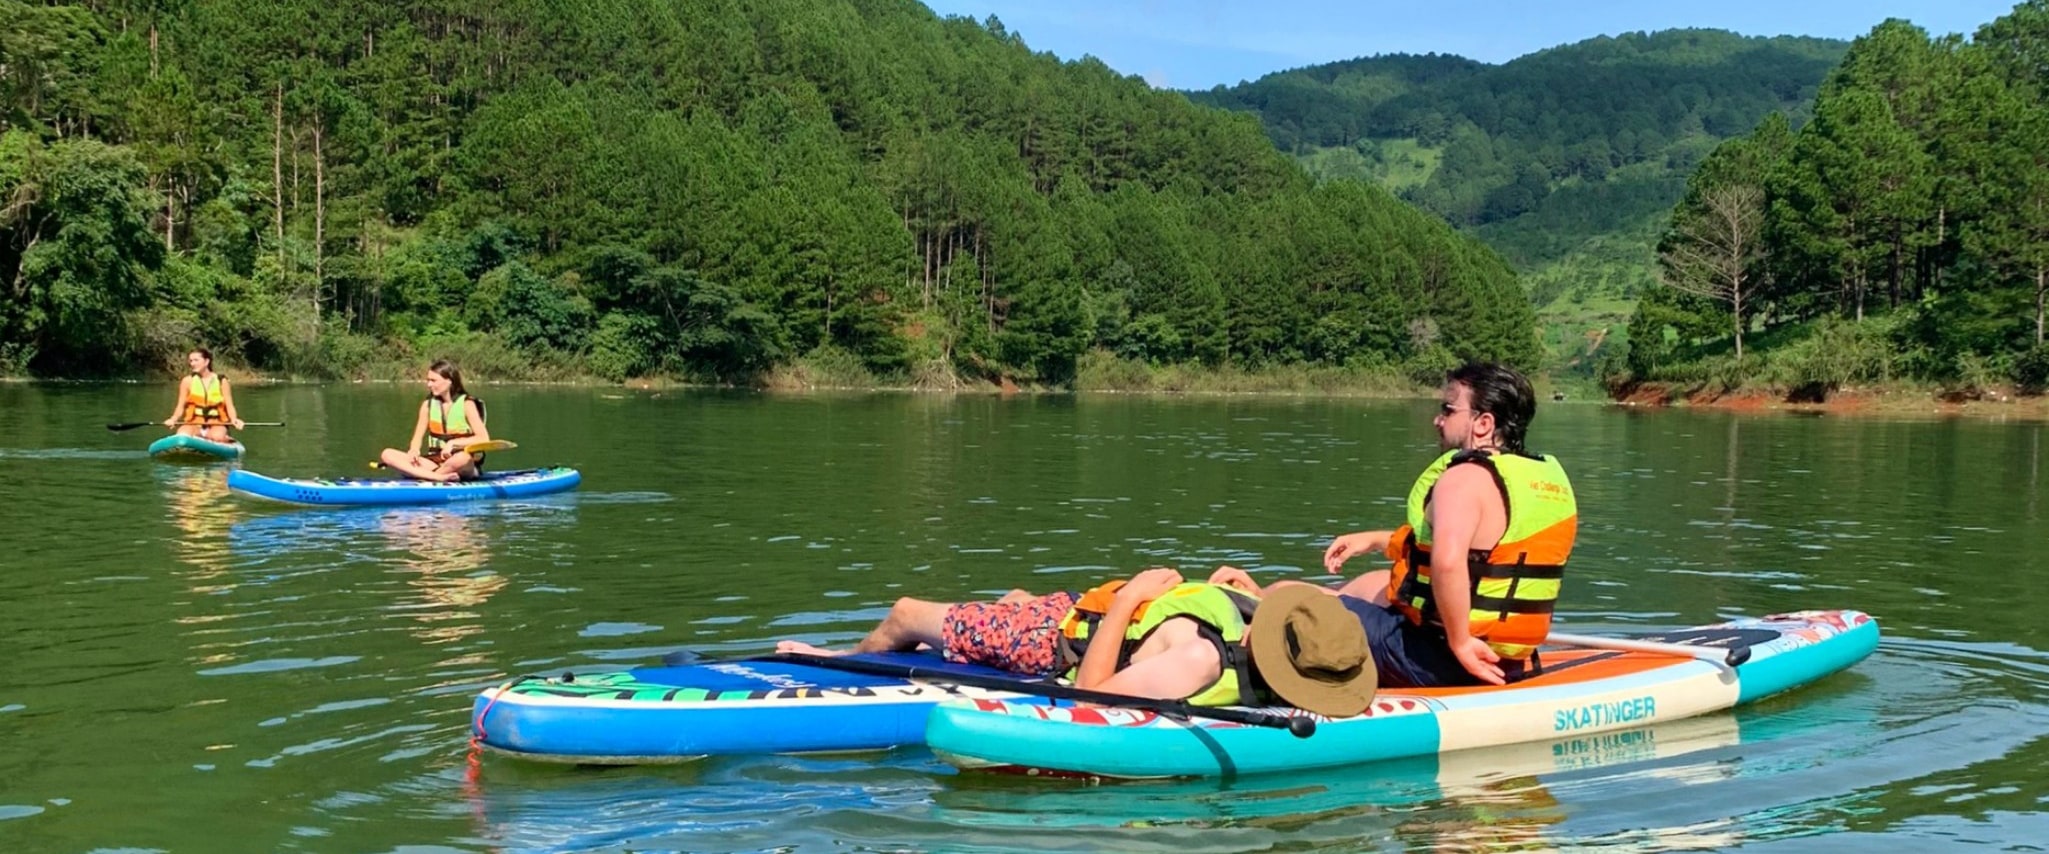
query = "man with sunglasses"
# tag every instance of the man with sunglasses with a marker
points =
(1478, 565)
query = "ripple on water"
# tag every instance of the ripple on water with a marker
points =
(273, 665)
(601, 630)
(11, 811)
(70, 454)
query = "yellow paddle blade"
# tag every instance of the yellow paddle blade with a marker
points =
(491, 446)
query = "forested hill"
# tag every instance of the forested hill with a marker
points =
(1899, 238)
(712, 188)
(1566, 160)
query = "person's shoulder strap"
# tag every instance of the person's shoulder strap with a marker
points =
(1481, 457)
(1484, 460)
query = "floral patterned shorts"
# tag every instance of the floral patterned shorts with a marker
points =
(1021, 638)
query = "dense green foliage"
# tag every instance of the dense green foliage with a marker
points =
(706, 189)
(1560, 160)
(1905, 229)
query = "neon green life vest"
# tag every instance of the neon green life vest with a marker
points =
(1220, 613)
(1515, 583)
(449, 422)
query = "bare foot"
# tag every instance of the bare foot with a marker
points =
(802, 648)
(1017, 596)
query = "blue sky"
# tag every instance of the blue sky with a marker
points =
(1196, 44)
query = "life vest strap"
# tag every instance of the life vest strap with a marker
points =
(1531, 571)
(1511, 605)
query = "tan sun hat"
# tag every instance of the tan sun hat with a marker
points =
(1311, 651)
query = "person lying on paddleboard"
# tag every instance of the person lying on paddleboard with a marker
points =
(449, 421)
(206, 405)
(1478, 565)
(1206, 643)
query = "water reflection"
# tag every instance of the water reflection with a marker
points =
(203, 512)
(1489, 799)
(443, 555)
(1509, 798)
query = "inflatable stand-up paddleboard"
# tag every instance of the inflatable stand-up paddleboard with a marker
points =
(524, 483)
(194, 448)
(1581, 691)
(655, 715)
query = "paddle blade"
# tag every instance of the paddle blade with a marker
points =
(490, 446)
(129, 425)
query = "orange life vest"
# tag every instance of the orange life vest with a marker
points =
(205, 404)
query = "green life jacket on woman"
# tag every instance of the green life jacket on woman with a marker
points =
(449, 422)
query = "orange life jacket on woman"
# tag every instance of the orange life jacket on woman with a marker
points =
(205, 404)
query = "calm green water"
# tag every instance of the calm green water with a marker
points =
(191, 671)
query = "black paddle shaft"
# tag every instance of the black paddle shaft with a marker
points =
(1300, 726)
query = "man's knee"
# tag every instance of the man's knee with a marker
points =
(1372, 587)
(908, 612)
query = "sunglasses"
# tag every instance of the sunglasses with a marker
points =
(1447, 410)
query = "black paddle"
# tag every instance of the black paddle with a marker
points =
(1300, 726)
(130, 425)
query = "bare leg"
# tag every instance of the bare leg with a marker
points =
(910, 622)
(1017, 596)
(456, 467)
(1371, 587)
(217, 433)
(188, 429)
(412, 466)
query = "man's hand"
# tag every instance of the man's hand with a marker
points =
(1480, 660)
(1349, 546)
(1231, 576)
(1148, 585)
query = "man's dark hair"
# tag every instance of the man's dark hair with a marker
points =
(1502, 392)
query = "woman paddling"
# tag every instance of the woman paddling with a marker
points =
(450, 420)
(206, 405)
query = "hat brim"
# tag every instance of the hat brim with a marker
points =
(1268, 641)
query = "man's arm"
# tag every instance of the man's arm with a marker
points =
(1100, 661)
(1352, 545)
(1174, 674)
(1456, 508)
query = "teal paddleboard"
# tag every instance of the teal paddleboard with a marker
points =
(194, 448)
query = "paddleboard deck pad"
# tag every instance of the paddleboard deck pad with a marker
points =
(523, 483)
(657, 715)
(1581, 691)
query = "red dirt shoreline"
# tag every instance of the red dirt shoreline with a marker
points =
(1996, 404)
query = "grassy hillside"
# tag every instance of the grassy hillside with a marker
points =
(1565, 161)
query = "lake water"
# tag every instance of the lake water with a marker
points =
(195, 671)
